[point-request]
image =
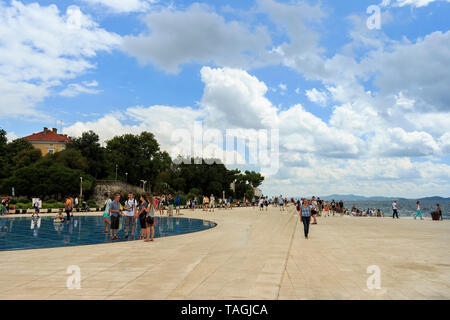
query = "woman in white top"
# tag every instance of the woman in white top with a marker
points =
(150, 218)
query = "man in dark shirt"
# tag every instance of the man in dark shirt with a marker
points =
(115, 212)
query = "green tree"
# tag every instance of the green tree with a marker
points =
(89, 146)
(3, 144)
(138, 155)
(249, 194)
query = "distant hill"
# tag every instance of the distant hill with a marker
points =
(435, 199)
(352, 197)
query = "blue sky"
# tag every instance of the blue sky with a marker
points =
(359, 110)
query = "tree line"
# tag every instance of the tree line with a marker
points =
(136, 157)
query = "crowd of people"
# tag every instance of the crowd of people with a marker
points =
(144, 209)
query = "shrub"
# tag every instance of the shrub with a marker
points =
(19, 200)
(52, 205)
(27, 205)
(92, 204)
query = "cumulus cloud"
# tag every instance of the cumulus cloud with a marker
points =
(325, 157)
(234, 98)
(371, 137)
(124, 6)
(304, 132)
(316, 96)
(414, 69)
(444, 143)
(40, 48)
(394, 142)
(74, 89)
(414, 3)
(196, 34)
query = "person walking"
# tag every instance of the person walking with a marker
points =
(418, 213)
(395, 210)
(115, 213)
(305, 214)
(106, 212)
(36, 207)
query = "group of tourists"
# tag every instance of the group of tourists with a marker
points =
(209, 203)
(132, 210)
(370, 212)
(168, 203)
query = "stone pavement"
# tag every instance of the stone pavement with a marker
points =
(249, 255)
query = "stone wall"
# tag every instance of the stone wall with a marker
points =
(111, 187)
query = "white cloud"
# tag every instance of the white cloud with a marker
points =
(444, 143)
(195, 35)
(394, 142)
(316, 96)
(414, 3)
(41, 47)
(233, 98)
(11, 136)
(415, 69)
(325, 157)
(125, 6)
(304, 132)
(74, 89)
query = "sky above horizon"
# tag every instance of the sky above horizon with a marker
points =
(359, 110)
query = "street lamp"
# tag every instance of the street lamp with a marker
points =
(126, 176)
(143, 184)
(116, 171)
(81, 188)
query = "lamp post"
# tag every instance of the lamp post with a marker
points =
(126, 176)
(116, 170)
(81, 188)
(143, 184)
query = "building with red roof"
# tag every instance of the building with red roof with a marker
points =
(49, 141)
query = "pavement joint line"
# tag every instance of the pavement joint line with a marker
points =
(287, 257)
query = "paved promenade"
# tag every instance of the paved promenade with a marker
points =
(249, 255)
